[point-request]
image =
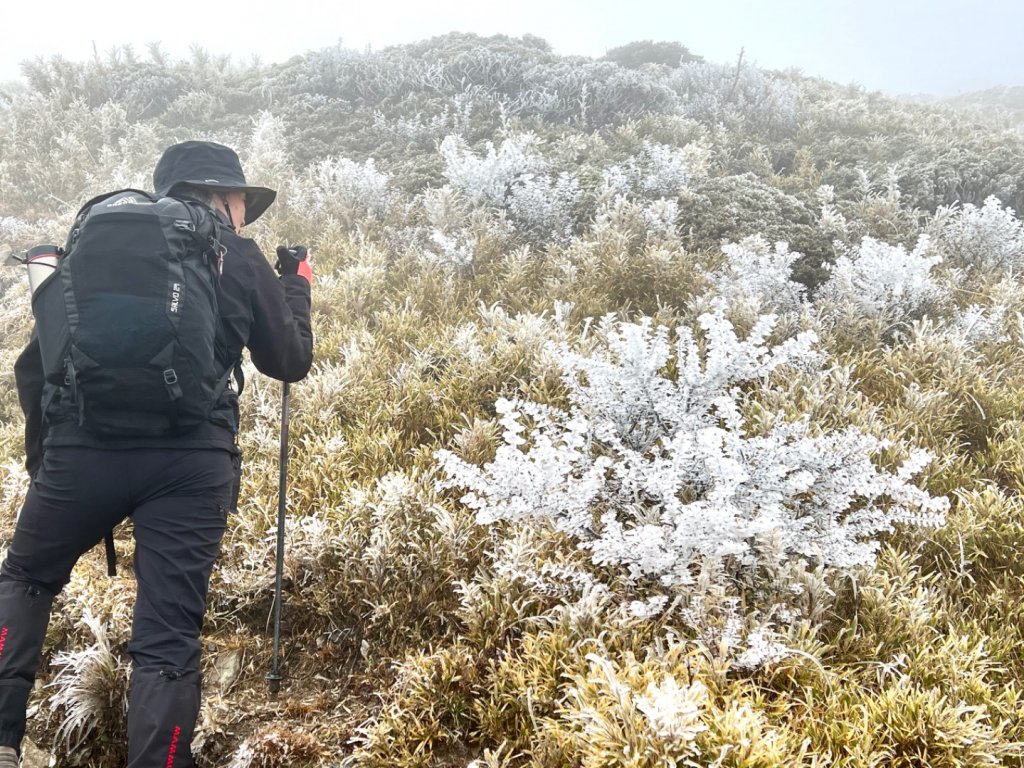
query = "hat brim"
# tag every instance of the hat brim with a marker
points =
(257, 199)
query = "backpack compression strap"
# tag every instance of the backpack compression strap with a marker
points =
(108, 544)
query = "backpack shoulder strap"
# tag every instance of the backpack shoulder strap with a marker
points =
(205, 227)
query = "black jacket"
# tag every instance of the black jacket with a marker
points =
(258, 310)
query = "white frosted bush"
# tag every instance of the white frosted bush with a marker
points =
(757, 275)
(657, 474)
(340, 186)
(832, 221)
(739, 97)
(988, 238)
(979, 325)
(658, 170)
(90, 688)
(265, 152)
(14, 234)
(14, 486)
(666, 171)
(15, 314)
(644, 219)
(487, 180)
(673, 711)
(454, 117)
(615, 719)
(444, 207)
(126, 162)
(453, 252)
(617, 180)
(660, 216)
(878, 280)
(542, 207)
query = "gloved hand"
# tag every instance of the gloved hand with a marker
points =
(294, 261)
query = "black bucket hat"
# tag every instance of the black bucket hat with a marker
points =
(205, 164)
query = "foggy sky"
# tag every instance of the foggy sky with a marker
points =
(942, 47)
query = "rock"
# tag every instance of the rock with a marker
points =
(34, 757)
(226, 668)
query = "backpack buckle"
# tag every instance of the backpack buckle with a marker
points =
(171, 382)
(71, 379)
(219, 251)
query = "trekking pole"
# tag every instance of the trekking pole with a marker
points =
(274, 678)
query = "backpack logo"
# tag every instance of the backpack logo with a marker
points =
(127, 201)
(176, 290)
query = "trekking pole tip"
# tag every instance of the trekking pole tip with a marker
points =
(274, 680)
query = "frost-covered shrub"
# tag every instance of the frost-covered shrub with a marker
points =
(15, 234)
(757, 276)
(607, 714)
(487, 180)
(453, 252)
(640, 52)
(658, 170)
(669, 170)
(15, 316)
(49, 164)
(13, 487)
(90, 699)
(831, 220)
(741, 97)
(543, 208)
(454, 118)
(610, 95)
(596, 94)
(881, 281)
(485, 67)
(987, 238)
(444, 207)
(657, 474)
(265, 151)
(341, 187)
(637, 221)
(977, 325)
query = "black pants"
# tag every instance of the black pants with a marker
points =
(178, 501)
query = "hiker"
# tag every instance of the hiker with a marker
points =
(91, 468)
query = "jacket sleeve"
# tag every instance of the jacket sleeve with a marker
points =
(281, 338)
(29, 379)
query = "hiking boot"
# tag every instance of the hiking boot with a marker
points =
(9, 758)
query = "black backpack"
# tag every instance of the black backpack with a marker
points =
(128, 323)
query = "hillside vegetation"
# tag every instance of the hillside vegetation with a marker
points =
(662, 414)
